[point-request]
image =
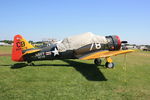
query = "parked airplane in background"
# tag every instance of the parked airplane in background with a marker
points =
(85, 46)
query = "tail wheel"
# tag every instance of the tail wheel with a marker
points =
(31, 64)
(98, 61)
(109, 65)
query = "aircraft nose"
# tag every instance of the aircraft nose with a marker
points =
(114, 42)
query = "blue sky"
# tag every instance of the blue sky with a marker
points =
(39, 19)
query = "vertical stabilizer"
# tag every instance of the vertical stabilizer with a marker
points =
(19, 45)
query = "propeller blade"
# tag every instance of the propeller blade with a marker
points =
(124, 41)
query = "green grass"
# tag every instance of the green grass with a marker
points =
(5, 49)
(76, 79)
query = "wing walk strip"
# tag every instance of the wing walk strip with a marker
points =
(104, 54)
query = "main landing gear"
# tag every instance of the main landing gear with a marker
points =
(97, 61)
(108, 64)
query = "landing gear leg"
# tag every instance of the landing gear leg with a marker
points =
(97, 61)
(30, 63)
(109, 63)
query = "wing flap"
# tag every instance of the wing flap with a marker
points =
(103, 54)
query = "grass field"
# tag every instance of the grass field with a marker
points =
(5, 49)
(76, 79)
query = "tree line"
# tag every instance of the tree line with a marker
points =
(7, 41)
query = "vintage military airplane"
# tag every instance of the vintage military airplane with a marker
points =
(85, 46)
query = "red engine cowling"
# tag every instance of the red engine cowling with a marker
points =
(114, 42)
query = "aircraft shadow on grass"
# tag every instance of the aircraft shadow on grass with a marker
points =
(15, 66)
(19, 65)
(90, 71)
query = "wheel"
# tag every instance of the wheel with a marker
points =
(109, 65)
(31, 64)
(98, 61)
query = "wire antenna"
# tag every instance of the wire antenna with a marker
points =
(125, 69)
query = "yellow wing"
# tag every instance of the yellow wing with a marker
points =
(104, 54)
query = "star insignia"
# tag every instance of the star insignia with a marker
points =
(55, 52)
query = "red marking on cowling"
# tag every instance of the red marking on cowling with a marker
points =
(119, 42)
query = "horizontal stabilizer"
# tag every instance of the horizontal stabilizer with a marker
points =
(31, 51)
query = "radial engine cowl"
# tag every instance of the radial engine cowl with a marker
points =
(114, 42)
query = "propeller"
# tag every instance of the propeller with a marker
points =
(124, 41)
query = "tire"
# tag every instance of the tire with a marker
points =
(97, 61)
(32, 64)
(109, 65)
